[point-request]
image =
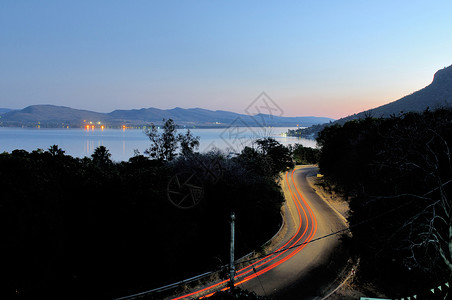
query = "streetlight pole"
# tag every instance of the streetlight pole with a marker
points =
(231, 264)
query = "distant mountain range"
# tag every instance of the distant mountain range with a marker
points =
(60, 116)
(437, 94)
(4, 110)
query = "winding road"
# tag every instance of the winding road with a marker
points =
(296, 268)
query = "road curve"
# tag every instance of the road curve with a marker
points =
(284, 273)
(298, 278)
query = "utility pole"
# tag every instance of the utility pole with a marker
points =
(231, 264)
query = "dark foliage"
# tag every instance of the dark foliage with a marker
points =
(268, 158)
(305, 155)
(164, 145)
(396, 173)
(94, 229)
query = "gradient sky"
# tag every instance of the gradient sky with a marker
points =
(321, 58)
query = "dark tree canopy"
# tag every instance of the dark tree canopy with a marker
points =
(101, 157)
(165, 144)
(92, 228)
(305, 155)
(397, 175)
(188, 143)
(268, 157)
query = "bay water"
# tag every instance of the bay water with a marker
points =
(122, 143)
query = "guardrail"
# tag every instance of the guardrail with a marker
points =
(165, 288)
(198, 277)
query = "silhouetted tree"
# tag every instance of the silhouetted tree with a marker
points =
(56, 151)
(279, 155)
(188, 143)
(164, 145)
(305, 155)
(101, 157)
(397, 175)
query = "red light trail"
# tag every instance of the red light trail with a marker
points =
(284, 253)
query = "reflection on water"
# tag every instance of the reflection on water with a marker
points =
(122, 142)
(91, 145)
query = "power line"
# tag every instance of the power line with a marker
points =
(295, 246)
(282, 250)
(333, 233)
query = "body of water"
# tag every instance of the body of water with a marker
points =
(122, 143)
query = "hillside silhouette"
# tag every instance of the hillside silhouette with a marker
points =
(438, 94)
(61, 116)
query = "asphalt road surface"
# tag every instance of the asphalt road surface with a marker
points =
(302, 264)
(307, 274)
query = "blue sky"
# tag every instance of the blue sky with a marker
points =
(322, 58)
